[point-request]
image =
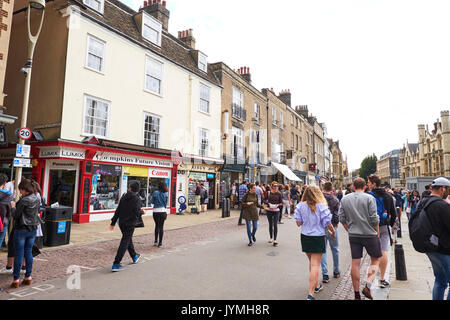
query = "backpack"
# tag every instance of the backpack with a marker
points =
(381, 210)
(421, 230)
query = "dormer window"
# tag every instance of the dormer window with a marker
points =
(151, 29)
(202, 62)
(96, 5)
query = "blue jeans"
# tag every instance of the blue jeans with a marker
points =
(334, 245)
(23, 243)
(251, 233)
(441, 268)
(2, 234)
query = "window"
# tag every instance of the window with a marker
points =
(257, 112)
(205, 93)
(203, 143)
(300, 143)
(153, 75)
(238, 97)
(274, 116)
(292, 140)
(97, 5)
(96, 54)
(151, 29)
(202, 62)
(152, 125)
(96, 117)
(281, 121)
(292, 119)
(296, 142)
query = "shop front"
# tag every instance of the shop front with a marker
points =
(233, 172)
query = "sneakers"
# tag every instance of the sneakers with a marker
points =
(254, 238)
(317, 290)
(250, 244)
(6, 271)
(384, 284)
(336, 275)
(310, 297)
(367, 294)
(117, 268)
(136, 258)
(326, 278)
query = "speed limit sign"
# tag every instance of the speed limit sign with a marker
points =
(25, 134)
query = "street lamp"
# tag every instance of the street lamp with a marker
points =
(39, 6)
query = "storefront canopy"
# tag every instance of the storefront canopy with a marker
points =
(286, 171)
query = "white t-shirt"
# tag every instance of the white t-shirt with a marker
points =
(10, 187)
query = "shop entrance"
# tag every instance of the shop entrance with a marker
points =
(211, 186)
(62, 187)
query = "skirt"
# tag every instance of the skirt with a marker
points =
(312, 244)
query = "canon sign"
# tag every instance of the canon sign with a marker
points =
(159, 174)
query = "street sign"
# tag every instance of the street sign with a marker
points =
(23, 151)
(25, 134)
(22, 163)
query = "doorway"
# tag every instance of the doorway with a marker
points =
(62, 187)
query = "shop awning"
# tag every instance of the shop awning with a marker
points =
(286, 171)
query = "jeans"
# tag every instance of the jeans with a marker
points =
(126, 243)
(3, 234)
(251, 233)
(159, 218)
(286, 207)
(272, 216)
(23, 243)
(334, 246)
(441, 268)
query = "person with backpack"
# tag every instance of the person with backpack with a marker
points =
(429, 230)
(128, 213)
(358, 214)
(333, 205)
(387, 214)
(250, 213)
(273, 202)
(160, 199)
(204, 198)
(295, 197)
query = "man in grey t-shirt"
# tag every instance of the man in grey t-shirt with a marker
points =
(358, 215)
(259, 193)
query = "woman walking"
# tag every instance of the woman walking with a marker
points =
(286, 196)
(313, 215)
(159, 200)
(414, 200)
(250, 213)
(26, 220)
(273, 203)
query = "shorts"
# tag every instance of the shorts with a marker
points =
(385, 238)
(372, 246)
(313, 244)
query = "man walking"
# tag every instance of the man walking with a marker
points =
(242, 191)
(128, 213)
(333, 205)
(387, 214)
(259, 193)
(438, 213)
(358, 215)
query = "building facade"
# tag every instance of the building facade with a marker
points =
(388, 169)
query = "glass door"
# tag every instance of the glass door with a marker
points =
(62, 187)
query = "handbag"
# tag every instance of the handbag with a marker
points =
(35, 251)
(140, 222)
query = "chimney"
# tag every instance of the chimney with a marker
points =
(285, 96)
(245, 73)
(187, 37)
(159, 11)
(302, 110)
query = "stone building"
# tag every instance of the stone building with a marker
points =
(337, 164)
(388, 169)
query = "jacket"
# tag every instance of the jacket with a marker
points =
(5, 206)
(159, 199)
(274, 199)
(333, 205)
(388, 205)
(249, 212)
(26, 213)
(129, 210)
(359, 212)
(439, 216)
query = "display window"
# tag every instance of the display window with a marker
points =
(140, 175)
(194, 177)
(155, 178)
(105, 187)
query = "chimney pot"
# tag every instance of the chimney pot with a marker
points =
(159, 1)
(145, 3)
(248, 70)
(164, 3)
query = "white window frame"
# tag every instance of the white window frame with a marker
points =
(154, 24)
(149, 114)
(85, 133)
(102, 5)
(209, 99)
(274, 116)
(147, 58)
(200, 138)
(281, 120)
(89, 38)
(203, 60)
(239, 133)
(237, 93)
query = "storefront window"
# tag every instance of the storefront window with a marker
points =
(194, 177)
(140, 175)
(105, 187)
(155, 178)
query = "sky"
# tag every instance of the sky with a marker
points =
(372, 71)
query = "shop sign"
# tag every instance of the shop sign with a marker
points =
(196, 167)
(7, 153)
(131, 160)
(198, 176)
(22, 163)
(59, 165)
(154, 173)
(62, 153)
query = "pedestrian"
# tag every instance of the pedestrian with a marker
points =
(5, 207)
(333, 206)
(204, 198)
(198, 192)
(128, 213)
(427, 191)
(349, 189)
(358, 214)
(273, 202)
(339, 194)
(233, 195)
(260, 194)
(295, 197)
(242, 191)
(10, 186)
(286, 196)
(413, 200)
(438, 213)
(160, 199)
(313, 216)
(25, 215)
(387, 214)
(250, 213)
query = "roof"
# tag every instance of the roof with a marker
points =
(413, 147)
(119, 18)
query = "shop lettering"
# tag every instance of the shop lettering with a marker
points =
(62, 154)
(159, 173)
(132, 160)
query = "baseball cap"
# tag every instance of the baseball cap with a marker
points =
(441, 182)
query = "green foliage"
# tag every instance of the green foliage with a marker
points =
(368, 166)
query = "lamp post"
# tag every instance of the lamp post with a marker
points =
(33, 5)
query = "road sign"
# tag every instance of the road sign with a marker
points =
(25, 133)
(23, 151)
(22, 163)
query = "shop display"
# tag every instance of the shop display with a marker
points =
(105, 187)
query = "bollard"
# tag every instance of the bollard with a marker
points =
(228, 207)
(400, 265)
(399, 232)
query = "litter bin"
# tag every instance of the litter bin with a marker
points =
(57, 226)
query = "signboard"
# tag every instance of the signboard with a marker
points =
(57, 152)
(196, 167)
(61, 226)
(22, 163)
(23, 151)
(25, 134)
(155, 173)
(131, 160)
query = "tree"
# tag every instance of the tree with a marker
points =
(368, 166)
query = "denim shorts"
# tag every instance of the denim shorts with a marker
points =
(372, 246)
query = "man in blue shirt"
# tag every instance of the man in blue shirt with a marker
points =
(242, 191)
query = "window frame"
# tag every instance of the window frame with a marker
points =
(150, 114)
(107, 130)
(161, 87)
(89, 38)
(200, 98)
(102, 6)
(202, 56)
(154, 24)
(202, 130)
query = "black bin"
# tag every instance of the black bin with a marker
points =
(58, 222)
